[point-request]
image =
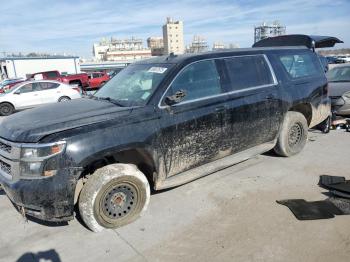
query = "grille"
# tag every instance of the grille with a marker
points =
(4, 147)
(5, 167)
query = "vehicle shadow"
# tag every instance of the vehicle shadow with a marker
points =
(46, 223)
(49, 255)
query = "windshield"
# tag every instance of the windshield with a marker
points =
(134, 84)
(339, 74)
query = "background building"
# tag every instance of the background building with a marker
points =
(219, 46)
(198, 45)
(264, 31)
(123, 50)
(156, 44)
(173, 36)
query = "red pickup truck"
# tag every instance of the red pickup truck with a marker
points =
(97, 79)
(78, 79)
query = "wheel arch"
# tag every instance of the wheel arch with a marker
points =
(138, 156)
(305, 109)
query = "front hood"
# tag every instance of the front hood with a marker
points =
(34, 124)
(338, 88)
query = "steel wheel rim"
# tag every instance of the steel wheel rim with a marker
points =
(295, 134)
(5, 110)
(118, 201)
(64, 99)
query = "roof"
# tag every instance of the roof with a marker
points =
(38, 58)
(175, 59)
(310, 41)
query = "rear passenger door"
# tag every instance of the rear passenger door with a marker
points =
(50, 92)
(191, 130)
(254, 111)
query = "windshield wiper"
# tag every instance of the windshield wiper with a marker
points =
(335, 81)
(111, 100)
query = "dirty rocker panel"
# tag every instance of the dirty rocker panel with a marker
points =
(214, 166)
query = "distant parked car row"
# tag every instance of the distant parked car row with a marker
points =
(29, 94)
(338, 59)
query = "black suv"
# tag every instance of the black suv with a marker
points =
(157, 124)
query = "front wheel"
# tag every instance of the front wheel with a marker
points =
(6, 109)
(293, 134)
(113, 196)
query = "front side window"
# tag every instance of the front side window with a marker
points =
(135, 84)
(301, 65)
(248, 71)
(32, 87)
(196, 81)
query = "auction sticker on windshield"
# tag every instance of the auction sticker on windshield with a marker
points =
(157, 70)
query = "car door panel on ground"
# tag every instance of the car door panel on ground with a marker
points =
(191, 131)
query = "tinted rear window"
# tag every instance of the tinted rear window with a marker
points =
(301, 65)
(248, 71)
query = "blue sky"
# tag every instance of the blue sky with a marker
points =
(70, 26)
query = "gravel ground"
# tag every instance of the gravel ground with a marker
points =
(228, 216)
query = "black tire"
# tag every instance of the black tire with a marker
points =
(64, 99)
(325, 126)
(6, 109)
(114, 196)
(293, 134)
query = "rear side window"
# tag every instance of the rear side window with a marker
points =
(248, 71)
(51, 74)
(197, 80)
(48, 85)
(301, 65)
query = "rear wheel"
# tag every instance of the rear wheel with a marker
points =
(64, 99)
(6, 109)
(293, 134)
(115, 195)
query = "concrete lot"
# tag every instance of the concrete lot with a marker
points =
(228, 216)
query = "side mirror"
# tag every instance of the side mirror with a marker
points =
(18, 92)
(176, 98)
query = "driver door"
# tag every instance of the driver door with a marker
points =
(191, 130)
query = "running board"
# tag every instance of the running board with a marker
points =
(214, 166)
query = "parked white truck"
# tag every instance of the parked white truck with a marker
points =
(16, 67)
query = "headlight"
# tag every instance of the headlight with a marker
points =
(40, 160)
(347, 95)
(38, 152)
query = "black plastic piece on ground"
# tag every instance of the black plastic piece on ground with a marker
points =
(304, 210)
(338, 185)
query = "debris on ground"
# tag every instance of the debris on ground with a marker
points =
(337, 204)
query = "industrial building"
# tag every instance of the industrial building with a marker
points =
(120, 50)
(198, 45)
(17, 67)
(173, 36)
(264, 31)
(156, 44)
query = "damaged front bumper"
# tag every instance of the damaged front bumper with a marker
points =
(50, 199)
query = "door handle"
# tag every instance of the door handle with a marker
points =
(220, 109)
(270, 97)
